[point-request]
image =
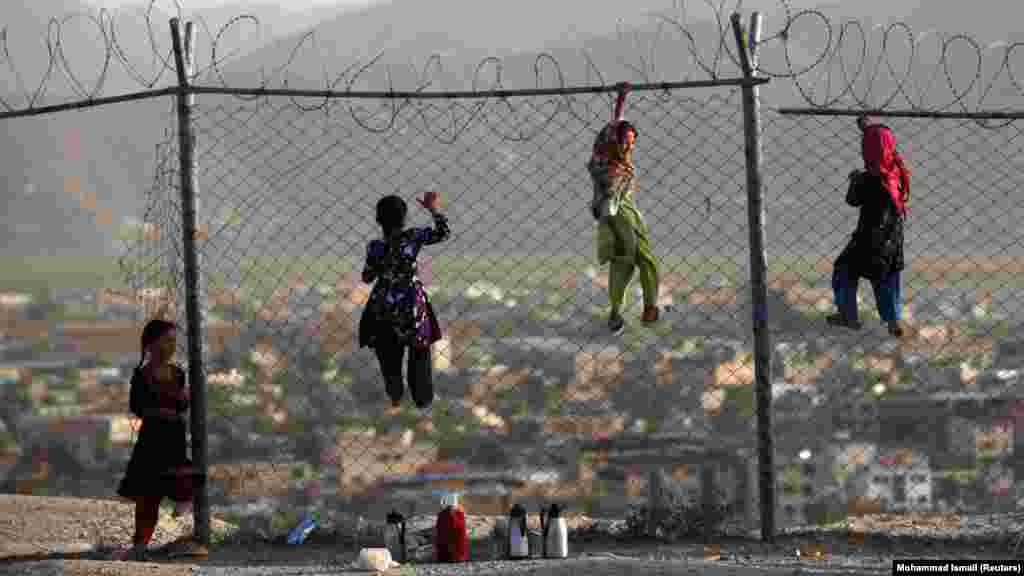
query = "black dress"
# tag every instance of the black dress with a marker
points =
(159, 464)
(876, 248)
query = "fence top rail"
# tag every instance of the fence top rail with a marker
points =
(88, 103)
(465, 94)
(353, 94)
(980, 115)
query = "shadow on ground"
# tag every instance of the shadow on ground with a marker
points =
(330, 550)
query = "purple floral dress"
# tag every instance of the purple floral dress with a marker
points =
(398, 303)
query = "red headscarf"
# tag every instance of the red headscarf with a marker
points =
(878, 148)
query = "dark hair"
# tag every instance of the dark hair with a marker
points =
(622, 128)
(152, 332)
(391, 212)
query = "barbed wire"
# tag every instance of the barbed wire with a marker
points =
(829, 62)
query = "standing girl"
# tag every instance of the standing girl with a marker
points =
(398, 314)
(159, 466)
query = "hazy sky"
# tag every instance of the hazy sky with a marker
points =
(767, 6)
(289, 5)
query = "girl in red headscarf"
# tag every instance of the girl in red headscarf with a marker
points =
(875, 251)
(882, 160)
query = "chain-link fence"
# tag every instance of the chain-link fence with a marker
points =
(528, 377)
(67, 354)
(536, 399)
(925, 423)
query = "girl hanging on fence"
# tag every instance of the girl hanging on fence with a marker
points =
(398, 314)
(875, 251)
(159, 466)
(622, 238)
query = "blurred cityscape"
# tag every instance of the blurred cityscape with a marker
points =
(527, 386)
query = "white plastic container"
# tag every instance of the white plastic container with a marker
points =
(375, 560)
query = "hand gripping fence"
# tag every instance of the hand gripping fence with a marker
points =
(534, 397)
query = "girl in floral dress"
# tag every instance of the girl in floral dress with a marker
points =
(398, 314)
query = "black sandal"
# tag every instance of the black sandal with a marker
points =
(616, 325)
(837, 320)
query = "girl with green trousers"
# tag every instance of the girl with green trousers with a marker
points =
(622, 237)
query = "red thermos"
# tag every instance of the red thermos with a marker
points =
(451, 541)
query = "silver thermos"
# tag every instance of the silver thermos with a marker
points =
(554, 533)
(518, 538)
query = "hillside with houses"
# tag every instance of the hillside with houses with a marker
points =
(528, 382)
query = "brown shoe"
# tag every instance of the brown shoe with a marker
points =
(896, 329)
(650, 315)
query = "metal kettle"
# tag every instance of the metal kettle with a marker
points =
(554, 533)
(517, 544)
(394, 536)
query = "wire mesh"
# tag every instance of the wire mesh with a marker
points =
(152, 261)
(864, 422)
(528, 377)
(527, 374)
(69, 428)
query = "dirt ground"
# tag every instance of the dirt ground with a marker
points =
(95, 568)
(31, 526)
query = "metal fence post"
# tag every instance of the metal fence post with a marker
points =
(758, 275)
(197, 379)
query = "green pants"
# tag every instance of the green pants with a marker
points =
(624, 244)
